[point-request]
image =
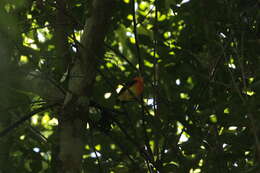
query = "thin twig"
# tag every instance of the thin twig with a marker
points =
(142, 151)
(141, 72)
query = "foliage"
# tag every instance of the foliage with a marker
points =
(200, 63)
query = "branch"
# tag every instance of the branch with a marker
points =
(24, 118)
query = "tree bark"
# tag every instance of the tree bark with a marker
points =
(5, 96)
(72, 122)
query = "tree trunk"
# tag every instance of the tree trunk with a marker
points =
(72, 122)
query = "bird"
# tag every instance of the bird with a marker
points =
(132, 90)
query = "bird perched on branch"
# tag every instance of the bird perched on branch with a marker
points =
(131, 90)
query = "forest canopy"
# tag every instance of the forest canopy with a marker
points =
(63, 62)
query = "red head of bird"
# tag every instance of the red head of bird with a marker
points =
(132, 90)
